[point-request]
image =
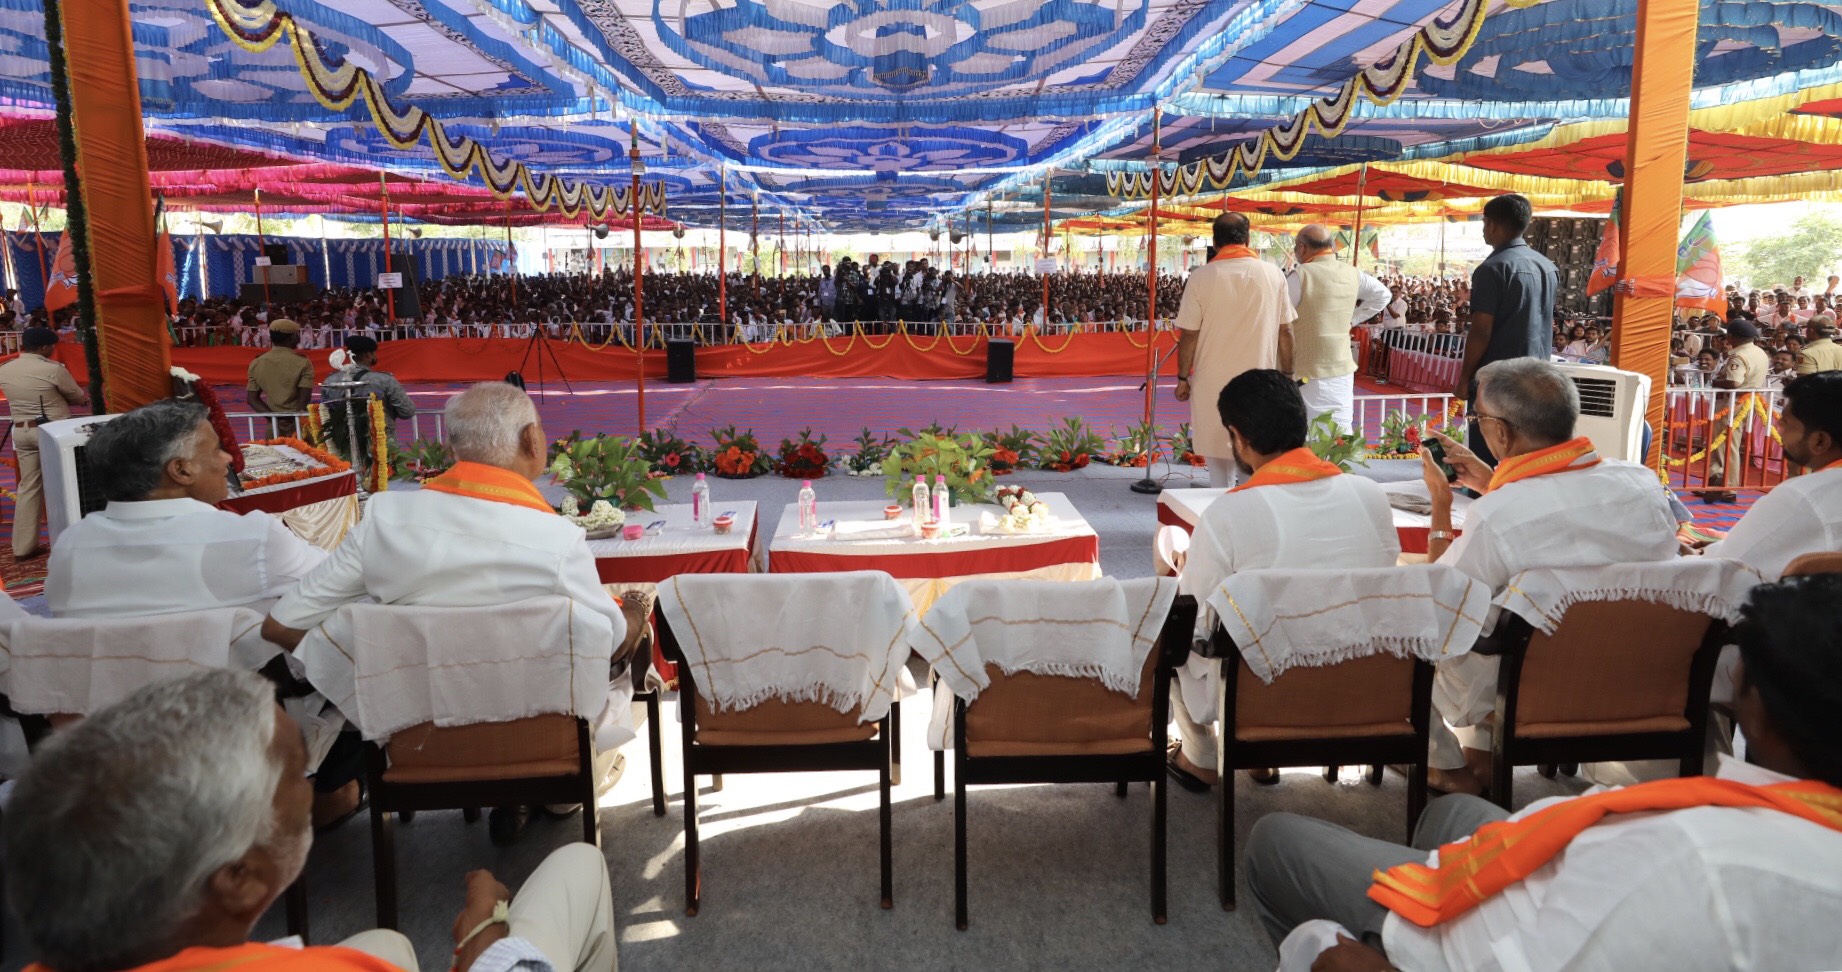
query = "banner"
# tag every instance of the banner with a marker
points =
(164, 269)
(1605, 262)
(61, 292)
(1698, 276)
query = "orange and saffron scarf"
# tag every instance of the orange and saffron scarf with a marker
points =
(1566, 457)
(489, 483)
(1234, 251)
(1301, 465)
(1504, 853)
(257, 957)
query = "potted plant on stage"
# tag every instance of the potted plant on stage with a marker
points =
(1011, 451)
(964, 459)
(420, 461)
(872, 449)
(1138, 447)
(1070, 447)
(736, 455)
(605, 475)
(803, 458)
(1183, 446)
(668, 455)
(1336, 444)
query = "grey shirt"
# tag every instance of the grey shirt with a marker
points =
(1515, 285)
(380, 383)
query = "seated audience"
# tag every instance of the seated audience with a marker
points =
(162, 546)
(1292, 510)
(479, 534)
(1742, 870)
(1803, 514)
(155, 833)
(1550, 502)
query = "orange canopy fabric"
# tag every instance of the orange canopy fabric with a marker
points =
(1711, 155)
(1392, 186)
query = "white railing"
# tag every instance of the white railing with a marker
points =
(1371, 412)
(254, 426)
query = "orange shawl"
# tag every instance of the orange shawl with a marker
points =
(489, 483)
(1577, 454)
(1301, 465)
(257, 957)
(1234, 251)
(1503, 853)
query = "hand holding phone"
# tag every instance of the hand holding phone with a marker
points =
(1436, 450)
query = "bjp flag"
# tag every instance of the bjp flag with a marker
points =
(1698, 273)
(169, 277)
(1605, 262)
(61, 289)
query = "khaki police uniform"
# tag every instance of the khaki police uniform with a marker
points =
(37, 390)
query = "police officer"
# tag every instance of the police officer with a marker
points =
(281, 378)
(38, 390)
(383, 384)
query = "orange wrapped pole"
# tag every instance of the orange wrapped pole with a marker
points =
(1151, 275)
(1656, 151)
(639, 293)
(111, 154)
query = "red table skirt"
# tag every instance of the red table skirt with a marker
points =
(1413, 539)
(653, 570)
(307, 492)
(991, 560)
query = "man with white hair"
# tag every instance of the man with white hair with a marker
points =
(479, 534)
(1550, 502)
(155, 833)
(1330, 297)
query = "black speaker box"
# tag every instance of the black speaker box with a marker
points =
(680, 362)
(999, 356)
(277, 253)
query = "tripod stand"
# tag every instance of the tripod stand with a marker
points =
(1149, 485)
(539, 344)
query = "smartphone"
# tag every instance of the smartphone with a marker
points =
(1437, 448)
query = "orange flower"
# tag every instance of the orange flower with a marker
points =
(334, 465)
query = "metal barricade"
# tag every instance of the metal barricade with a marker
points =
(1723, 439)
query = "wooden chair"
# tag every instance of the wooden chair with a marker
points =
(1829, 562)
(775, 737)
(1029, 728)
(1617, 680)
(1375, 710)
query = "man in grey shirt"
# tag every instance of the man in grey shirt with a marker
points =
(1512, 302)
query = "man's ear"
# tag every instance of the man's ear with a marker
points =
(241, 889)
(531, 441)
(180, 471)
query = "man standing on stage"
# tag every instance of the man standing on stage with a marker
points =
(281, 378)
(1235, 317)
(1330, 297)
(38, 390)
(1512, 302)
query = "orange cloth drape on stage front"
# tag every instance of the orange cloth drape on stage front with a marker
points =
(906, 357)
(105, 100)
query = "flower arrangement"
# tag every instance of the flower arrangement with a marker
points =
(963, 459)
(193, 385)
(803, 458)
(421, 460)
(605, 468)
(872, 449)
(1335, 444)
(1011, 451)
(1138, 447)
(1070, 447)
(736, 455)
(602, 517)
(668, 455)
(315, 425)
(331, 464)
(1401, 435)
(1023, 512)
(1183, 446)
(378, 475)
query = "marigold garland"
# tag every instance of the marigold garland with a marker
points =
(1036, 336)
(316, 424)
(379, 478)
(333, 464)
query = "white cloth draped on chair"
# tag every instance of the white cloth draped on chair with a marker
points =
(76, 667)
(840, 639)
(1706, 585)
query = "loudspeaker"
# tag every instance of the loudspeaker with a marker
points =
(680, 362)
(999, 354)
(276, 252)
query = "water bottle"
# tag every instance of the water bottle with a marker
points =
(921, 501)
(943, 501)
(808, 509)
(700, 502)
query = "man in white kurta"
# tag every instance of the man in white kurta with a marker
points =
(1551, 502)
(162, 546)
(1292, 512)
(1803, 514)
(1231, 320)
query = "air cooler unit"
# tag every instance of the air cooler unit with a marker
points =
(1612, 404)
(69, 492)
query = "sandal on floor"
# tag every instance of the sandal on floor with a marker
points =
(1186, 779)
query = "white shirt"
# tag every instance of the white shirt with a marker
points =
(443, 550)
(1612, 513)
(1801, 515)
(171, 556)
(1372, 296)
(1708, 889)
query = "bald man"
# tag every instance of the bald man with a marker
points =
(1330, 297)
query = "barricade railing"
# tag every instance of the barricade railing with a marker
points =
(259, 426)
(1723, 439)
(1421, 360)
(1372, 414)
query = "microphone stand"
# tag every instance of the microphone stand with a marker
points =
(1149, 485)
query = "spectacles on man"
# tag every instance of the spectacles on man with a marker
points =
(1480, 418)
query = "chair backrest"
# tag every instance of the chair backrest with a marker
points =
(1610, 666)
(1369, 693)
(1828, 562)
(73, 667)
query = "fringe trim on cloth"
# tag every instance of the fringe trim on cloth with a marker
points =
(1548, 619)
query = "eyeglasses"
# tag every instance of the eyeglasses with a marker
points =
(1480, 418)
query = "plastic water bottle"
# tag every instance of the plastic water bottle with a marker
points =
(700, 502)
(808, 509)
(922, 501)
(943, 501)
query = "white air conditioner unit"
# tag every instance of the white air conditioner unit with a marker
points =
(1612, 404)
(69, 493)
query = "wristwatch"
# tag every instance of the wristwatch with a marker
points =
(1183, 377)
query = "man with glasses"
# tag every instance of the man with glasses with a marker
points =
(1550, 502)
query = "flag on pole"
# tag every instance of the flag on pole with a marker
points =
(61, 290)
(1605, 262)
(163, 260)
(1698, 276)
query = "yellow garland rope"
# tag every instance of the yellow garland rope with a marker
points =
(911, 340)
(575, 334)
(1750, 407)
(955, 348)
(872, 345)
(848, 345)
(380, 447)
(1036, 336)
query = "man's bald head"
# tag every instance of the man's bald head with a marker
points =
(1314, 238)
(1231, 229)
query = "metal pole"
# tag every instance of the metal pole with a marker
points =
(262, 242)
(390, 295)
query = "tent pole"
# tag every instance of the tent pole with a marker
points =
(390, 295)
(1151, 275)
(639, 293)
(1362, 184)
(722, 248)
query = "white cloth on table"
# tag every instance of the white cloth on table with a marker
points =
(390, 667)
(846, 530)
(169, 556)
(76, 667)
(1715, 587)
(840, 639)
(1801, 515)
(1100, 629)
(1289, 618)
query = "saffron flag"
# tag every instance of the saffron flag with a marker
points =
(169, 277)
(1698, 277)
(1605, 262)
(61, 289)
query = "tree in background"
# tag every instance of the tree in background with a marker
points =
(1808, 249)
